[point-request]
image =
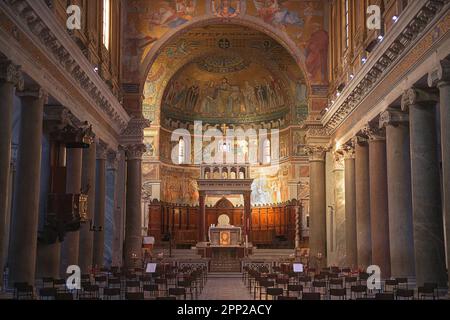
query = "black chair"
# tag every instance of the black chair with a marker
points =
(64, 296)
(358, 291)
(294, 288)
(90, 292)
(275, 293)
(134, 296)
(177, 292)
(311, 296)
(133, 286)
(320, 286)
(390, 286)
(341, 294)
(402, 282)
(151, 289)
(404, 294)
(47, 282)
(23, 291)
(111, 294)
(384, 296)
(428, 290)
(287, 298)
(336, 283)
(264, 285)
(166, 298)
(47, 294)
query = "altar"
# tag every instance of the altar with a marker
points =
(225, 236)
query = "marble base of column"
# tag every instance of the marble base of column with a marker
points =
(71, 244)
(24, 230)
(48, 257)
(362, 194)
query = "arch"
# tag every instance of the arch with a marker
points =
(244, 20)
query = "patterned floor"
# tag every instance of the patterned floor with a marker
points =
(225, 289)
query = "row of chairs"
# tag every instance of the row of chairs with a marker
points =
(329, 283)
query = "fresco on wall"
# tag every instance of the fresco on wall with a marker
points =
(179, 185)
(224, 86)
(270, 186)
(274, 12)
(172, 14)
(226, 8)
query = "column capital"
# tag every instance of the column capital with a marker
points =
(135, 151)
(393, 117)
(33, 92)
(75, 137)
(338, 160)
(11, 73)
(316, 152)
(374, 133)
(359, 140)
(415, 96)
(112, 160)
(101, 150)
(440, 74)
(349, 151)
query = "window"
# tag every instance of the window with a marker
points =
(267, 158)
(181, 151)
(347, 24)
(106, 22)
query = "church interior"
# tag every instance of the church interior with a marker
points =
(224, 149)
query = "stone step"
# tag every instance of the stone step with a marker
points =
(225, 275)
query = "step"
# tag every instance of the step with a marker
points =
(225, 275)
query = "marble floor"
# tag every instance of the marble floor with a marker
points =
(225, 289)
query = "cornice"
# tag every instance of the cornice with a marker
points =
(39, 23)
(414, 21)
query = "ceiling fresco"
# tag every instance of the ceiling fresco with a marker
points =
(219, 72)
(302, 21)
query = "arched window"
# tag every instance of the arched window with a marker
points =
(106, 22)
(181, 151)
(267, 158)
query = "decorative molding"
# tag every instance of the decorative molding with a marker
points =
(11, 73)
(316, 152)
(416, 96)
(39, 22)
(34, 92)
(135, 151)
(338, 160)
(348, 150)
(374, 132)
(415, 19)
(440, 75)
(392, 117)
(134, 132)
(359, 140)
(101, 151)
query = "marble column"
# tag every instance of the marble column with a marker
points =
(110, 229)
(26, 208)
(49, 255)
(337, 216)
(318, 226)
(71, 244)
(362, 202)
(429, 245)
(100, 206)
(133, 231)
(351, 248)
(440, 77)
(86, 234)
(399, 193)
(119, 217)
(10, 77)
(202, 219)
(379, 218)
